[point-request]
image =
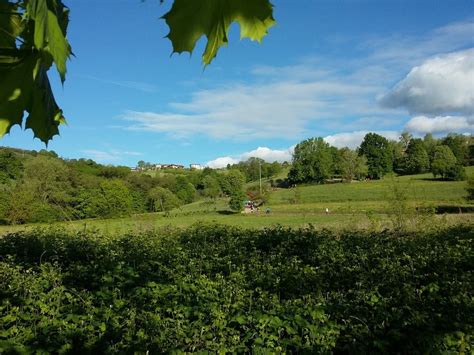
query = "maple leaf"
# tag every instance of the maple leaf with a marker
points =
(24, 82)
(26, 87)
(45, 116)
(50, 31)
(189, 20)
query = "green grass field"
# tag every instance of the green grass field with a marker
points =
(418, 188)
(360, 205)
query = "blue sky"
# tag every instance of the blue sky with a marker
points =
(334, 69)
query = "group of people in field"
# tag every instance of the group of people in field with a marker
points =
(251, 207)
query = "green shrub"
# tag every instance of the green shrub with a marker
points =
(236, 202)
(222, 289)
(470, 188)
(112, 198)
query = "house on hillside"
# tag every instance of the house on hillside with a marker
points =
(168, 166)
(196, 166)
(175, 166)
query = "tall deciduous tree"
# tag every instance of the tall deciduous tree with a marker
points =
(236, 202)
(398, 156)
(353, 166)
(211, 187)
(232, 181)
(430, 144)
(459, 145)
(112, 198)
(417, 159)
(379, 156)
(405, 138)
(312, 161)
(470, 160)
(185, 191)
(162, 199)
(48, 177)
(233, 186)
(443, 162)
(10, 167)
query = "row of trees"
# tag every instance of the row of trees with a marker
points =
(314, 160)
(40, 187)
(254, 168)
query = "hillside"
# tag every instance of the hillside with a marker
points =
(370, 204)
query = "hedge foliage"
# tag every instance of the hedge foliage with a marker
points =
(223, 289)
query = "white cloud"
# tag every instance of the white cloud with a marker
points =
(410, 50)
(221, 162)
(108, 156)
(267, 154)
(283, 109)
(354, 139)
(440, 124)
(270, 155)
(441, 85)
(328, 93)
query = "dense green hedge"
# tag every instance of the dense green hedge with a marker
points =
(224, 289)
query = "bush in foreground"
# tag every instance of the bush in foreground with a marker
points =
(224, 289)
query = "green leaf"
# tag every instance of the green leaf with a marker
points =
(22, 90)
(58, 45)
(45, 116)
(38, 11)
(15, 92)
(189, 20)
(10, 24)
(50, 26)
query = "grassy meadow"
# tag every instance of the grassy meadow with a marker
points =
(360, 205)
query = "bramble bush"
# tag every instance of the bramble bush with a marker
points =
(224, 289)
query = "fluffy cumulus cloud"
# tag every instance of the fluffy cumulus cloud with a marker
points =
(440, 124)
(267, 154)
(441, 85)
(354, 139)
(222, 162)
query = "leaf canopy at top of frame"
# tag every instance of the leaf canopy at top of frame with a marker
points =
(189, 20)
(32, 39)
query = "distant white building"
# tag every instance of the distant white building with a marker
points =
(196, 166)
(174, 166)
(168, 166)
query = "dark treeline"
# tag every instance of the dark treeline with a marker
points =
(314, 160)
(41, 187)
